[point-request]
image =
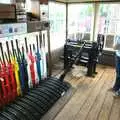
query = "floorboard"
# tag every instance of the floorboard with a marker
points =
(91, 100)
(115, 112)
(96, 108)
(77, 101)
(81, 115)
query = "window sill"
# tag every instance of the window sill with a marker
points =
(108, 52)
(109, 49)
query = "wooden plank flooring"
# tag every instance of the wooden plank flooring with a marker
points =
(92, 100)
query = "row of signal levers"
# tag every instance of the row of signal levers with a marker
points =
(21, 68)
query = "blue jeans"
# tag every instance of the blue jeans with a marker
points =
(117, 82)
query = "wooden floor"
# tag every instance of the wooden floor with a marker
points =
(92, 100)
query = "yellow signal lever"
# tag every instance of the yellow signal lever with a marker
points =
(16, 69)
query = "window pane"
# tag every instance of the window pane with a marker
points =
(109, 41)
(57, 17)
(109, 18)
(5, 1)
(109, 22)
(79, 20)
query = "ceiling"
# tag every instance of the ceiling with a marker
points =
(73, 1)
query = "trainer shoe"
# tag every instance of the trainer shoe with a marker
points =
(117, 94)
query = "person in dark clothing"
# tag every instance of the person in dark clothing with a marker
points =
(116, 87)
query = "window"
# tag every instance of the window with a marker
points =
(79, 21)
(5, 1)
(57, 17)
(28, 6)
(109, 23)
